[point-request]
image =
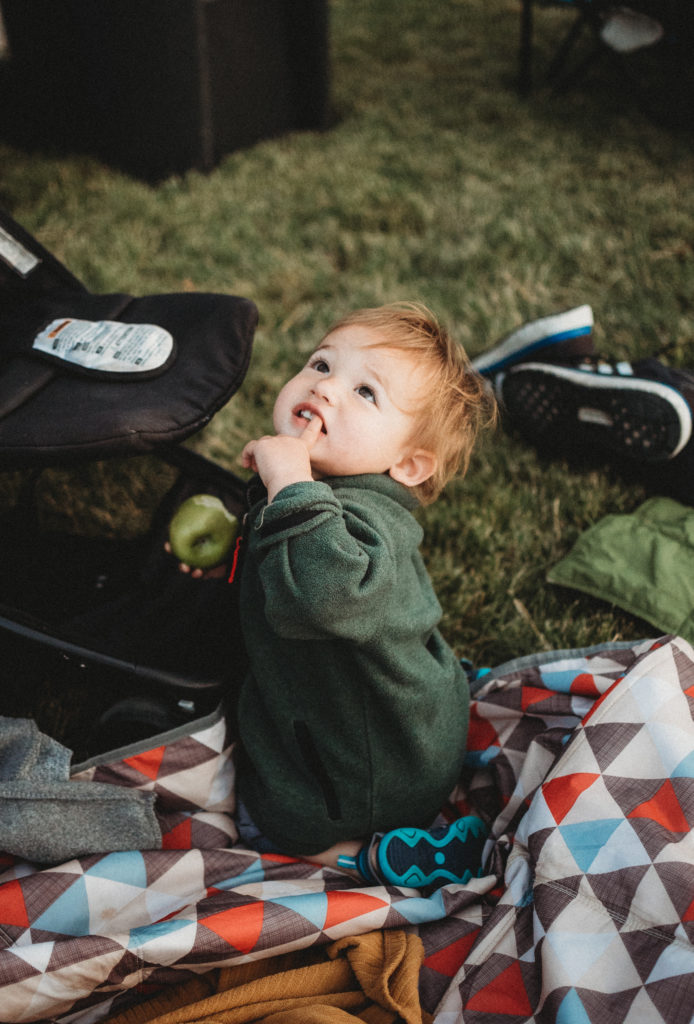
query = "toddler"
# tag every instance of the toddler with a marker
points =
(353, 715)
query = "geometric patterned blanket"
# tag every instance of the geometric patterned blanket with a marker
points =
(581, 762)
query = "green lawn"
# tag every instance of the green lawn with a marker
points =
(436, 181)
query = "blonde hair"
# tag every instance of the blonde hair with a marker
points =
(461, 402)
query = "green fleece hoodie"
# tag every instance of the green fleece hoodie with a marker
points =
(353, 716)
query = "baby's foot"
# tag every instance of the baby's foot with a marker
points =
(419, 858)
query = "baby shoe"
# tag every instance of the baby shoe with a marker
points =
(418, 858)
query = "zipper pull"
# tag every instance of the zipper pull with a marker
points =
(235, 559)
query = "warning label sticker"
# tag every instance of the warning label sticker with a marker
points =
(106, 345)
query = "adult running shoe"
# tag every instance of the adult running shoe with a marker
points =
(560, 337)
(636, 411)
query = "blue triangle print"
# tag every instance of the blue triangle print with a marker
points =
(128, 867)
(571, 1010)
(560, 681)
(581, 951)
(311, 905)
(480, 758)
(141, 936)
(255, 872)
(625, 851)
(675, 961)
(685, 769)
(418, 910)
(586, 839)
(69, 914)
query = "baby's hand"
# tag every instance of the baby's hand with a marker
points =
(281, 459)
(197, 574)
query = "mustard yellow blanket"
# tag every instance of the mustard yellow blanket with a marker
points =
(372, 978)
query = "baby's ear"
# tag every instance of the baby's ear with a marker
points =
(414, 468)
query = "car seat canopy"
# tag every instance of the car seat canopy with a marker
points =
(85, 375)
(53, 408)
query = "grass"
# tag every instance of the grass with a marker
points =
(436, 180)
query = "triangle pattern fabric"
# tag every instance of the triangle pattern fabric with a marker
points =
(551, 900)
(35, 959)
(643, 1010)
(449, 960)
(614, 888)
(674, 1006)
(665, 809)
(148, 763)
(585, 910)
(348, 905)
(571, 1010)
(504, 996)
(240, 926)
(14, 908)
(586, 840)
(561, 793)
(607, 740)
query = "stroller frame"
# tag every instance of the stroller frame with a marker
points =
(148, 694)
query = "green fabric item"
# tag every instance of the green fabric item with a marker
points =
(642, 562)
(353, 716)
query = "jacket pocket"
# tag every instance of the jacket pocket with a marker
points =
(314, 763)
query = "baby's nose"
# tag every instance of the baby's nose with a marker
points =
(325, 389)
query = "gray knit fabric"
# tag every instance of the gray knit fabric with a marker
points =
(44, 817)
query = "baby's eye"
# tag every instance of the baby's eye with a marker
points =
(364, 391)
(320, 365)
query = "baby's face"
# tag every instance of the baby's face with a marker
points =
(365, 397)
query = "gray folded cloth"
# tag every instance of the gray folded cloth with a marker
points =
(44, 817)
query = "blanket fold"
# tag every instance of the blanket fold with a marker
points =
(372, 977)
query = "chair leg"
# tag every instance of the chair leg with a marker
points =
(559, 60)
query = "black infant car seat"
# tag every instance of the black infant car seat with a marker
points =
(105, 628)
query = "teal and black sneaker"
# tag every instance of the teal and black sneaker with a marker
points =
(420, 859)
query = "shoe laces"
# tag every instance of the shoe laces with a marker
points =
(598, 364)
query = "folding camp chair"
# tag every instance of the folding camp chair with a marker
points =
(613, 30)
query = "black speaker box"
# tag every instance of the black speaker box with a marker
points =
(156, 87)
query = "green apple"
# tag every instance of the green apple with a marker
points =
(202, 531)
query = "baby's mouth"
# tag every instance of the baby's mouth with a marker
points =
(308, 414)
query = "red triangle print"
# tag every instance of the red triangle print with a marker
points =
(347, 904)
(239, 926)
(12, 907)
(603, 697)
(504, 996)
(449, 960)
(561, 794)
(147, 763)
(688, 915)
(180, 837)
(664, 808)
(533, 695)
(584, 684)
(281, 858)
(481, 734)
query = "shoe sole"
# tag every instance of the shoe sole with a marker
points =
(558, 334)
(639, 419)
(431, 852)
